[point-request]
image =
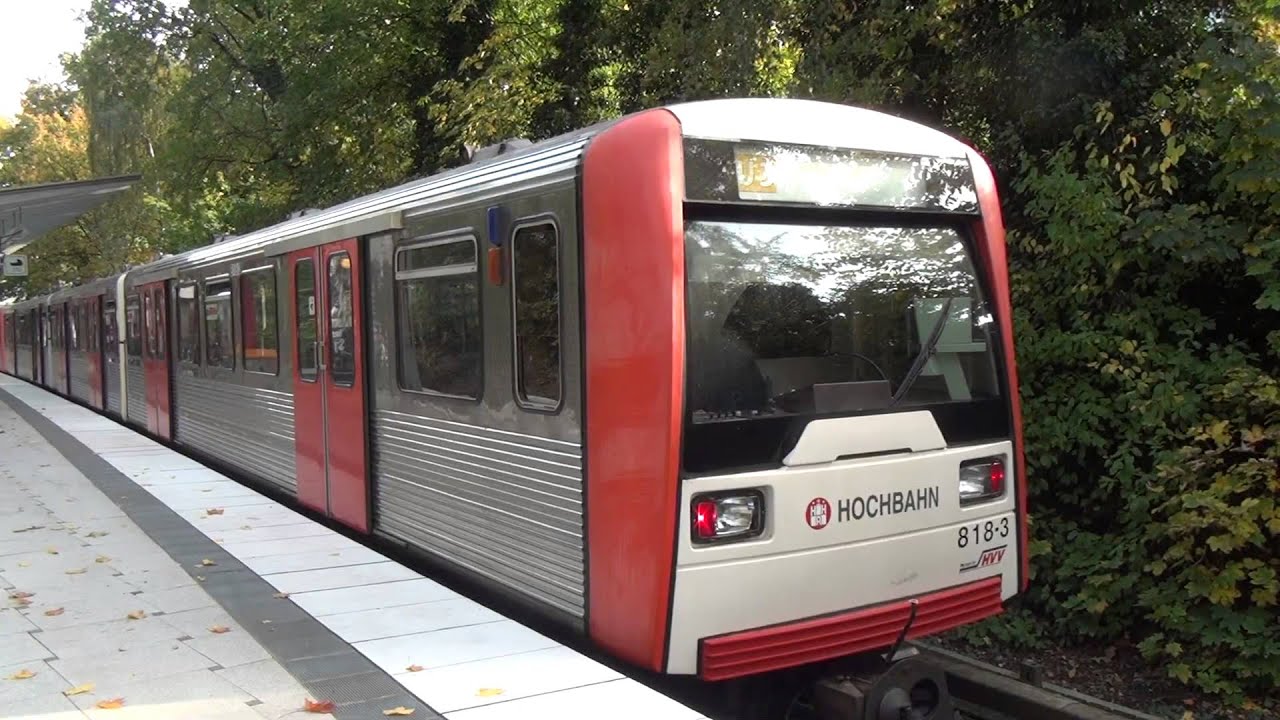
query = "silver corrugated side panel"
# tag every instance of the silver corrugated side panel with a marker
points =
(80, 378)
(248, 428)
(505, 505)
(113, 388)
(137, 395)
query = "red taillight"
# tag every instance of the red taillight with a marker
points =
(996, 479)
(704, 520)
(727, 516)
(981, 480)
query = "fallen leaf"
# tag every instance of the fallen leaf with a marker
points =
(23, 563)
(51, 551)
(213, 511)
(55, 612)
(22, 674)
(98, 533)
(19, 594)
(414, 668)
(318, 706)
(489, 692)
(280, 596)
(219, 629)
(207, 490)
(22, 602)
(75, 571)
(112, 704)
(199, 578)
(401, 710)
(246, 527)
(102, 559)
(137, 615)
(28, 529)
(207, 562)
(79, 690)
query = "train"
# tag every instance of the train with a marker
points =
(726, 386)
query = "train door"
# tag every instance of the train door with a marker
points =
(61, 352)
(110, 355)
(93, 345)
(155, 358)
(330, 427)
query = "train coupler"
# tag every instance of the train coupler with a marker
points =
(908, 689)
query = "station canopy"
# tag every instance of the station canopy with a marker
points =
(28, 212)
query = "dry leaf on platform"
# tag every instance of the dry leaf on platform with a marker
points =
(23, 674)
(75, 571)
(79, 690)
(280, 596)
(97, 534)
(55, 612)
(219, 629)
(102, 559)
(489, 692)
(20, 594)
(213, 511)
(207, 562)
(318, 706)
(401, 710)
(137, 615)
(112, 704)
(414, 668)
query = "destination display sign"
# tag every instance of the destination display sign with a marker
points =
(722, 171)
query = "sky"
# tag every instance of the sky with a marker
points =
(35, 33)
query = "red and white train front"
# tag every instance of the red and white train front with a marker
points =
(803, 426)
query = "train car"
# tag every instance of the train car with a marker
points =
(29, 340)
(727, 386)
(84, 348)
(7, 341)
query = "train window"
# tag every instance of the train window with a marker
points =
(219, 349)
(188, 324)
(133, 327)
(258, 321)
(90, 328)
(109, 339)
(304, 280)
(162, 342)
(342, 338)
(149, 323)
(535, 277)
(438, 316)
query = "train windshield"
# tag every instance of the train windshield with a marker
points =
(796, 319)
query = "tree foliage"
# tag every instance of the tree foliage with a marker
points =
(1137, 143)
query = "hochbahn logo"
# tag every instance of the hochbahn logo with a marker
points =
(818, 514)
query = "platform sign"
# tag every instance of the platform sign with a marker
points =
(15, 265)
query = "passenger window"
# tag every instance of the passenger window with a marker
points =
(109, 330)
(188, 325)
(342, 338)
(219, 350)
(162, 340)
(535, 277)
(305, 305)
(133, 329)
(438, 316)
(149, 323)
(258, 320)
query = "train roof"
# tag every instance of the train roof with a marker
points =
(793, 121)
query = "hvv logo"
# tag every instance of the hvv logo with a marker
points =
(986, 559)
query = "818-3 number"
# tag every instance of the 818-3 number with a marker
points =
(983, 532)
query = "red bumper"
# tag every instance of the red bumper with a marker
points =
(832, 636)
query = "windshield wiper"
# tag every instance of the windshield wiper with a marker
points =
(926, 353)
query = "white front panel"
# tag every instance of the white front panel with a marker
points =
(893, 530)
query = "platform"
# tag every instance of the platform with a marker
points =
(308, 613)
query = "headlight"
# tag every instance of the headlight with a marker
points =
(981, 480)
(732, 515)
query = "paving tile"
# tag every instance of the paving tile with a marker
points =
(316, 560)
(149, 663)
(265, 680)
(406, 619)
(308, 580)
(269, 533)
(12, 621)
(45, 682)
(192, 694)
(452, 646)
(332, 542)
(196, 623)
(625, 700)
(17, 649)
(457, 687)
(53, 706)
(105, 638)
(229, 649)
(386, 595)
(84, 606)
